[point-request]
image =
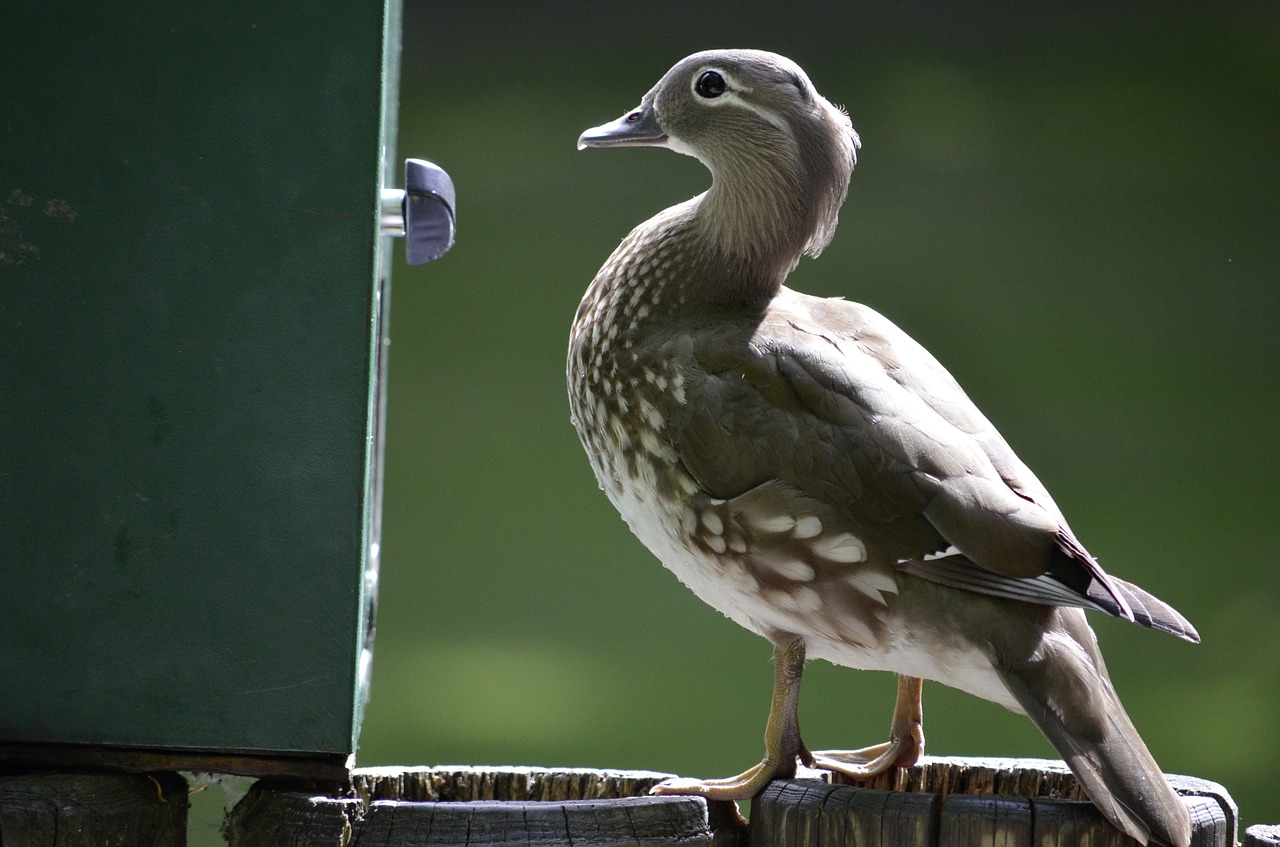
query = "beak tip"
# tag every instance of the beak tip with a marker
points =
(638, 128)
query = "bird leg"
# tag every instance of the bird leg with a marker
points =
(782, 744)
(903, 749)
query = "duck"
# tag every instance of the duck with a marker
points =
(813, 473)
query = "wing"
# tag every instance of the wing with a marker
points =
(833, 400)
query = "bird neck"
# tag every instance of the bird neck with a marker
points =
(751, 224)
(762, 213)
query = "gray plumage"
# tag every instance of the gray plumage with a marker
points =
(815, 474)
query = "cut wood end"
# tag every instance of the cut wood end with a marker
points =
(980, 776)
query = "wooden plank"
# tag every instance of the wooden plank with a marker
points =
(1225, 818)
(82, 809)
(908, 819)
(785, 813)
(1067, 823)
(811, 813)
(995, 820)
(1210, 826)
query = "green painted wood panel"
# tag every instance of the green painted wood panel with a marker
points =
(189, 321)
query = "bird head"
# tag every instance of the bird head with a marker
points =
(780, 154)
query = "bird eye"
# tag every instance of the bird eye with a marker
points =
(709, 85)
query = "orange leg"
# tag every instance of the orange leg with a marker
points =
(782, 744)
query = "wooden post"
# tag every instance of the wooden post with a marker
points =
(938, 803)
(949, 802)
(88, 809)
(482, 806)
(1262, 835)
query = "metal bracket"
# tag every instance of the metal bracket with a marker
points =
(422, 211)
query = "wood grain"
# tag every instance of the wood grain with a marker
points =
(98, 809)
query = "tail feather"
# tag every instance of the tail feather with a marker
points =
(1150, 611)
(1064, 688)
(1049, 589)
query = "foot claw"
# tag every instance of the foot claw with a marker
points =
(869, 761)
(744, 786)
(679, 785)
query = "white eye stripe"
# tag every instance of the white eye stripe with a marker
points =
(768, 115)
(733, 92)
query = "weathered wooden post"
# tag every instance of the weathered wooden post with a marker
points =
(949, 802)
(491, 806)
(92, 809)
(942, 802)
(1262, 835)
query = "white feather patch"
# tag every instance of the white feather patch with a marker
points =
(844, 547)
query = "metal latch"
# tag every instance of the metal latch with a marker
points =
(422, 211)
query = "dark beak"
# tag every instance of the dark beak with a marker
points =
(635, 129)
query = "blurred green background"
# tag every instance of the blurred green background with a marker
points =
(1076, 207)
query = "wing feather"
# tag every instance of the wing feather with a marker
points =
(831, 398)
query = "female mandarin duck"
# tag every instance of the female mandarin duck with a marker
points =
(813, 473)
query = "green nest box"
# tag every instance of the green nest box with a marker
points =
(192, 307)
